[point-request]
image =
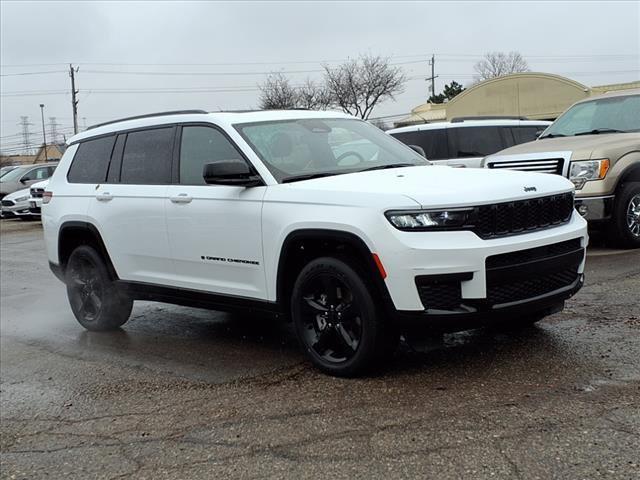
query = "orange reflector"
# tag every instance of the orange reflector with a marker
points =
(604, 167)
(381, 269)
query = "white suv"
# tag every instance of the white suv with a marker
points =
(464, 142)
(315, 216)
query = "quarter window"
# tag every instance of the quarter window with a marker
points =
(91, 161)
(199, 146)
(147, 157)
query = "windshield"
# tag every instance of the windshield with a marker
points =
(5, 170)
(615, 114)
(13, 175)
(304, 148)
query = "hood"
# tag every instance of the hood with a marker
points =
(432, 186)
(17, 194)
(583, 147)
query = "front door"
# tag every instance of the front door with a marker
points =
(215, 231)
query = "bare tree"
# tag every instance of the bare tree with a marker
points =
(313, 96)
(277, 93)
(358, 85)
(496, 64)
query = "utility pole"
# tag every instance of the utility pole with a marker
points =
(24, 123)
(74, 92)
(44, 135)
(433, 77)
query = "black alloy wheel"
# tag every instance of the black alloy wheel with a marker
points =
(337, 321)
(95, 299)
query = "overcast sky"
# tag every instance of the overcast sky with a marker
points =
(183, 44)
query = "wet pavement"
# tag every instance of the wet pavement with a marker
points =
(186, 393)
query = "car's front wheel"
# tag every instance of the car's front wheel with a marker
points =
(336, 319)
(95, 299)
(624, 228)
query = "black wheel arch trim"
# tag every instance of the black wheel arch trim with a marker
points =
(629, 174)
(92, 230)
(348, 238)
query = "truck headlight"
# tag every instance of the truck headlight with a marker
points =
(429, 219)
(584, 170)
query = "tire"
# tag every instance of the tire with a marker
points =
(337, 321)
(624, 227)
(95, 300)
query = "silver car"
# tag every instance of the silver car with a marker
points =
(24, 176)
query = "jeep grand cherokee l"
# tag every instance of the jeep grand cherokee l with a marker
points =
(290, 212)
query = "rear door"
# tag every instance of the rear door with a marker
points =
(215, 231)
(129, 208)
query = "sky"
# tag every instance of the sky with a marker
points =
(142, 57)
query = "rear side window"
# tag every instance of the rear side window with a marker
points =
(474, 141)
(91, 161)
(201, 145)
(527, 134)
(147, 157)
(433, 142)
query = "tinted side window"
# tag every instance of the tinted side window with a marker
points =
(91, 161)
(201, 145)
(147, 157)
(433, 142)
(527, 134)
(474, 141)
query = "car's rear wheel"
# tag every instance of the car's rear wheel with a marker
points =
(95, 299)
(624, 228)
(336, 319)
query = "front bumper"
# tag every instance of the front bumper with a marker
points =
(594, 209)
(16, 210)
(463, 254)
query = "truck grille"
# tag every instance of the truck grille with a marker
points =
(547, 165)
(523, 216)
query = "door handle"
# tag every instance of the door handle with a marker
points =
(181, 198)
(104, 197)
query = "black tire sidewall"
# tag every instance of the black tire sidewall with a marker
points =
(366, 353)
(116, 307)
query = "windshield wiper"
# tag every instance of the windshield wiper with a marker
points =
(552, 135)
(597, 131)
(391, 165)
(308, 176)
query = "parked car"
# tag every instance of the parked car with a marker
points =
(24, 176)
(596, 144)
(464, 142)
(35, 197)
(259, 211)
(7, 169)
(16, 204)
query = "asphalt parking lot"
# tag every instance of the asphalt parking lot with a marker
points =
(187, 393)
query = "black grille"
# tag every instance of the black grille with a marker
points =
(37, 192)
(439, 295)
(7, 203)
(532, 254)
(530, 287)
(523, 216)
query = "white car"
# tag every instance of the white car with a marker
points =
(464, 142)
(16, 205)
(267, 211)
(35, 197)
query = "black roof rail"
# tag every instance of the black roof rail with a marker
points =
(488, 117)
(148, 115)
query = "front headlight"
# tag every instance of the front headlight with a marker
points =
(429, 219)
(583, 171)
(21, 199)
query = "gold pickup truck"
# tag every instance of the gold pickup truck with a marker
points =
(596, 144)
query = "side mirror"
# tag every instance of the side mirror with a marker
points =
(230, 172)
(418, 149)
